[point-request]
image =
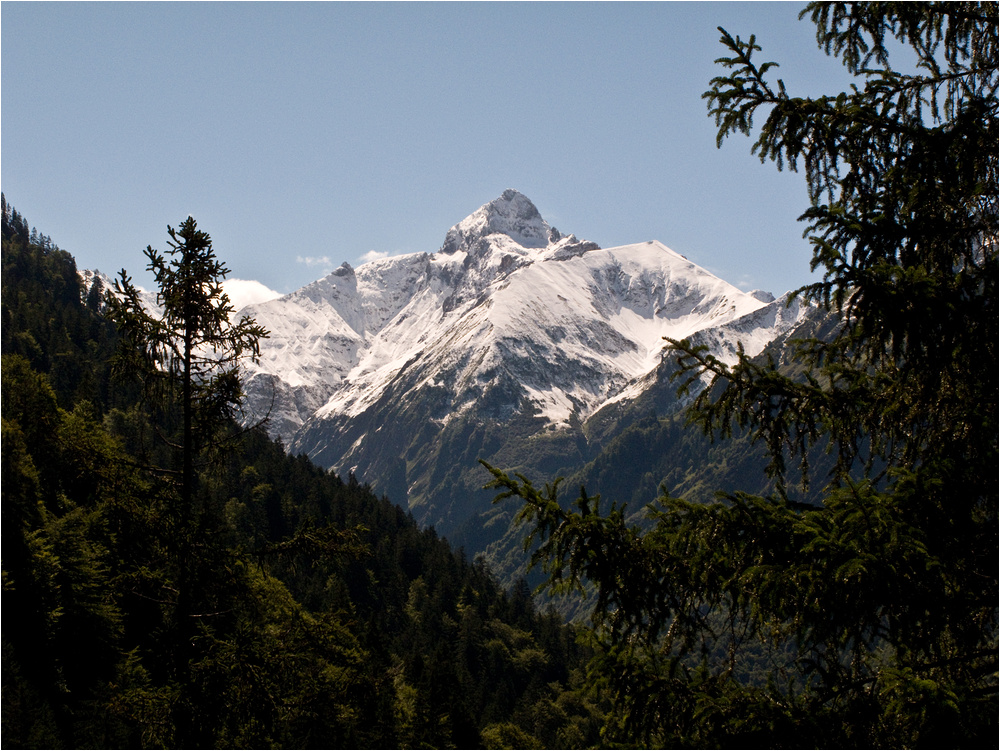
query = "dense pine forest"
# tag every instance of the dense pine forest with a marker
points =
(286, 607)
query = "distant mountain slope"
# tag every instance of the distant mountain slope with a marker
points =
(501, 345)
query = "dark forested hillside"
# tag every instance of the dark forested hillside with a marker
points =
(286, 607)
(48, 316)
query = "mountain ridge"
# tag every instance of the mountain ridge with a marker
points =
(511, 331)
(341, 320)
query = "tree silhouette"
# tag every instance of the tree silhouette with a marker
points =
(188, 358)
(871, 619)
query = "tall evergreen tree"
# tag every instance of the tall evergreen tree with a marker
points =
(870, 620)
(188, 358)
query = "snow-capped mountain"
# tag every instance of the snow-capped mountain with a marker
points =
(500, 345)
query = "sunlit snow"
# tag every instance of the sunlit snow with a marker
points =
(575, 325)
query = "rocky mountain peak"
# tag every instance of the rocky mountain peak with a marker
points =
(512, 215)
(345, 270)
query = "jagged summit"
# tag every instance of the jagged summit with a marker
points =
(496, 240)
(512, 215)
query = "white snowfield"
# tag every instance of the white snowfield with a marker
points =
(577, 326)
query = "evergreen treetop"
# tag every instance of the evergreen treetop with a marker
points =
(192, 352)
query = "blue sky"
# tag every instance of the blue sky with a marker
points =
(304, 135)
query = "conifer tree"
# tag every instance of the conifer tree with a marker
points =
(188, 358)
(871, 619)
